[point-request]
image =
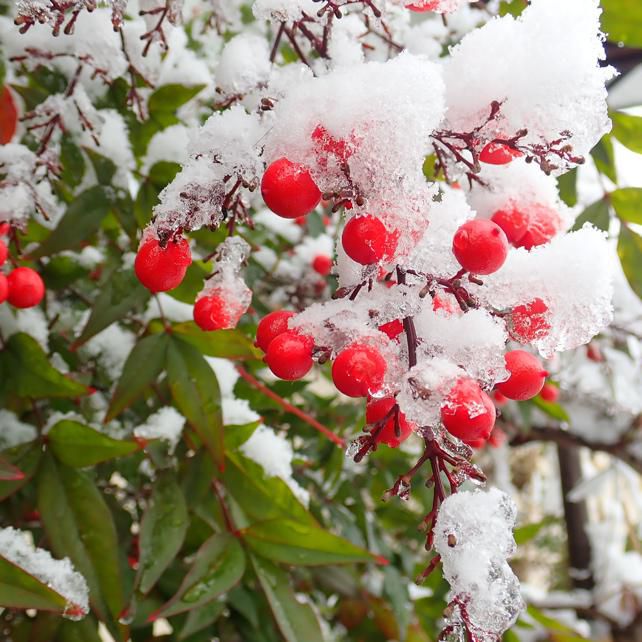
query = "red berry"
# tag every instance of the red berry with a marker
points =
(215, 312)
(527, 376)
(498, 154)
(271, 326)
(594, 353)
(160, 269)
(328, 145)
(477, 444)
(543, 224)
(550, 393)
(26, 288)
(393, 329)
(289, 355)
(423, 6)
(4, 288)
(288, 189)
(467, 411)
(480, 246)
(499, 399)
(497, 437)
(358, 370)
(366, 240)
(4, 252)
(377, 410)
(513, 221)
(529, 322)
(5, 228)
(322, 264)
(8, 116)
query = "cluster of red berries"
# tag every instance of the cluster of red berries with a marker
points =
(23, 287)
(162, 268)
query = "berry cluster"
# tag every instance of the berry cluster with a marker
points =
(22, 287)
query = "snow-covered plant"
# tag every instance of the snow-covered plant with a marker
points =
(242, 240)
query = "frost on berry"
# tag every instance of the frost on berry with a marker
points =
(473, 536)
(544, 72)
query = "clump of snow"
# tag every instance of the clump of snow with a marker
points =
(166, 424)
(164, 305)
(283, 10)
(543, 68)
(111, 347)
(274, 454)
(168, 145)
(14, 432)
(474, 537)
(59, 575)
(31, 321)
(244, 64)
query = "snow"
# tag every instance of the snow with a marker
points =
(473, 536)
(14, 432)
(165, 424)
(111, 347)
(31, 321)
(244, 64)
(283, 10)
(59, 575)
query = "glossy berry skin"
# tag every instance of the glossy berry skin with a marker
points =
(26, 288)
(392, 329)
(322, 264)
(161, 269)
(467, 412)
(4, 252)
(8, 116)
(288, 189)
(214, 312)
(543, 224)
(271, 326)
(498, 154)
(550, 393)
(527, 376)
(366, 240)
(376, 410)
(4, 288)
(289, 355)
(513, 221)
(529, 322)
(480, 246)
(358, 370)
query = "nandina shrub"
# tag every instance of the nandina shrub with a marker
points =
(263, 264)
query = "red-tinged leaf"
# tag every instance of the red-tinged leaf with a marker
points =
(79, 525)
(297, 622)
(9, 472)
(290, 542)
(162, 530)
(218, 566)
(26, 458)
(80, 446)
(196, 394)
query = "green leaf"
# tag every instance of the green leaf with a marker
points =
(162, 530)
(395, 588)
(9, 472)
(227, 344)
(121, 294)
(262, 497)
(104, 167)
(196, 394)
(26, 458)
(61, 271)
(192, 283)
(26, 372)
(84, 631)
(553, 625)
(218, 566)
(291, 542)
(629, 249)
(567, 185)
(81, 220)
(604, 158)
(622, 21)
(201, 618)
(297, 622)
(144, 363)
(169, 98)
(512, 7)
(553, 410)
(597, 214)
(21, 590)
(72, 161)
(236, 435)
(528, 532)
(627, 203)
(160, 174)
(80, 446)
(79, 525)
(628, 130)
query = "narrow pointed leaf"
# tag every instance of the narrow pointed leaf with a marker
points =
(79, 525)
(9, 472)
(290, 542)
(83, 631)
(627, 203)
(297, 622)
(162, 530)
(77, 445)
(201, 618)
(628, 128)
(144, 363)
(26, 458)
(196, 394)
(218, 566)
(629, 249)
(227, 344)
